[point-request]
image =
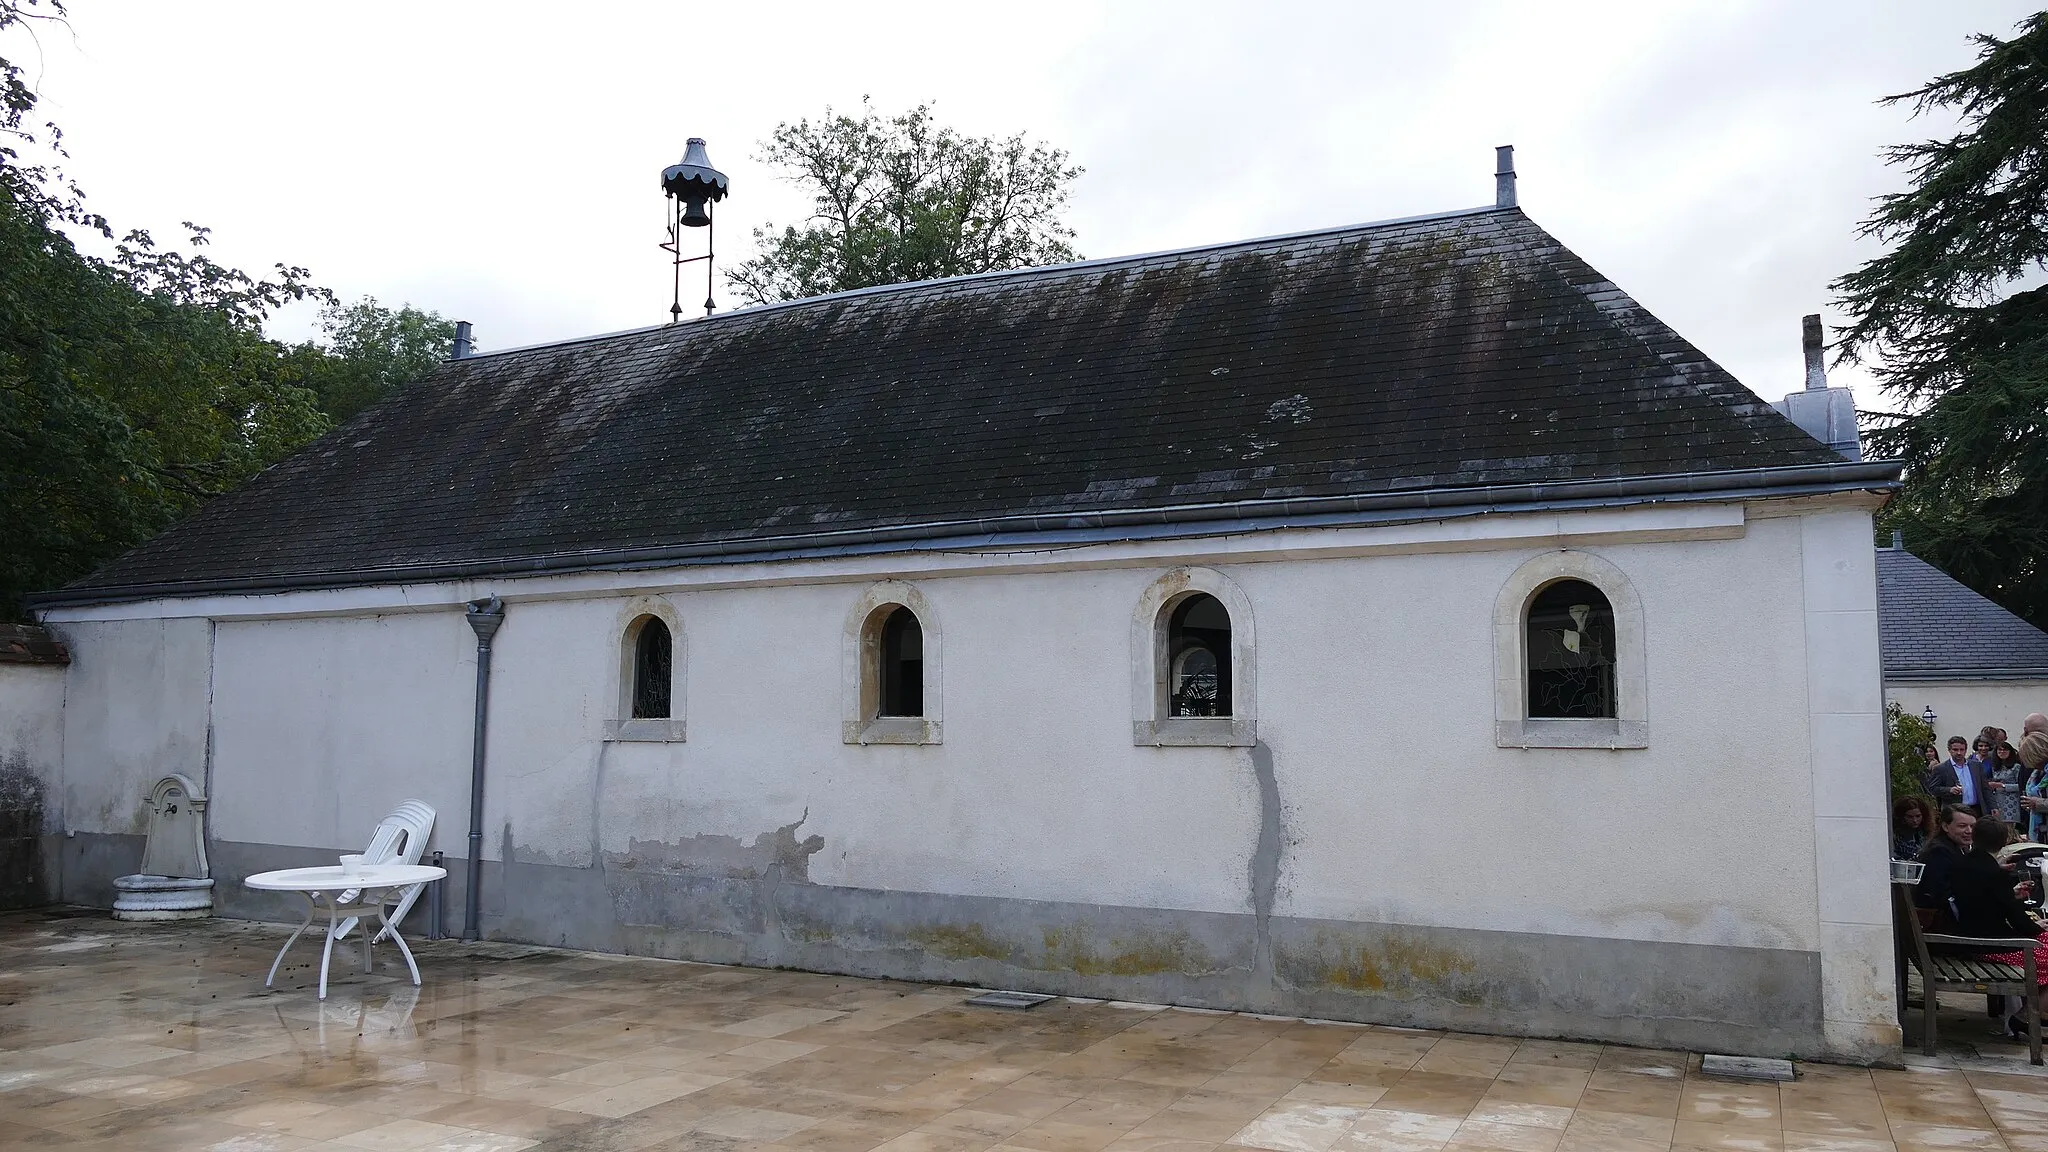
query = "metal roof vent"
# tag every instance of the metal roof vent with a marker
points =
(1826, 414)
(1504, 176)
(692, 187)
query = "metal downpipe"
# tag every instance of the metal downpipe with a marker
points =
(485, 618)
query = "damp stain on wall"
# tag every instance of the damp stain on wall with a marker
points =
(1073, 948)
(22, 882)
(711, 854)
(960, 942)
(1390, 965)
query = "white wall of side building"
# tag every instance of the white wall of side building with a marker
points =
(32, 719)
(1965, 707)
(1377, 855)
(31, 763)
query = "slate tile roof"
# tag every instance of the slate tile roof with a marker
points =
(1452, 351)
(1934, 628)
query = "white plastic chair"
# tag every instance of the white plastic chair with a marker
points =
(400, 839)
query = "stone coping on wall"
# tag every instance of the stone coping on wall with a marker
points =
(28, 644)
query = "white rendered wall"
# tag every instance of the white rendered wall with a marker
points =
(321, 727)
(32, 716)
(1376, 683)
(1963, 707)
(135, 711)
(32, 726)
(1753, 818)
(1375, 699)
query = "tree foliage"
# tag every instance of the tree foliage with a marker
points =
(901, 198)
(1905, 735)
(371, 352)
(1955, 333)
(138, 384)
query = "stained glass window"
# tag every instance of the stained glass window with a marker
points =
(1570, 646)
(653, 667)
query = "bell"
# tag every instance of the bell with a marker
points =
(695, 182)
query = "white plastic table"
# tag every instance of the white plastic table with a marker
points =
(342, 898)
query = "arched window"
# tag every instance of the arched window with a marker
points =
(900, 668)
(1568, 663)
(651, 653)
(891, 663)
(1194, 663)
(1198, 647)
(653, 669)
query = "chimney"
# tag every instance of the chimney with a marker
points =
(1826, 414)
(1504, 176)
(1898, 540)
(462, 341)
(1816, 363)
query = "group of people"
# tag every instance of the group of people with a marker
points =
(1989, 795)
(1993, 777)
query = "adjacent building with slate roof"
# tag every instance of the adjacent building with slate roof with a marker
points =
(1167, 628)
(1950, 650)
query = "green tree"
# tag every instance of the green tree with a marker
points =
(1905, 735)
(371, 351)
(1954, 334)
(901, 198)
(136, 385)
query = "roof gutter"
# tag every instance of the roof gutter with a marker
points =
(1949, 675)
(1071, 527)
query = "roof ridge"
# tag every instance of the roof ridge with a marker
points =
(1103, 262)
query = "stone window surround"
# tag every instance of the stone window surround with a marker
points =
(1151, 727)
(860, 670)
(1513, 728)
(624, 728)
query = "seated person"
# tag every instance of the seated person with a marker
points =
(1912, 823)
(1986, 906)
(1944, 850)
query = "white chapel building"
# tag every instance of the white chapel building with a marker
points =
(1391, 623)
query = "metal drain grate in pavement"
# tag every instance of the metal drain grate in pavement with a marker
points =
(1016, 1000)
(1747, 1068)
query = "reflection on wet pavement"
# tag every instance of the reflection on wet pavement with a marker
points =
(141, 1037)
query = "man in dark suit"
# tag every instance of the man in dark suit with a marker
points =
(1960, 780)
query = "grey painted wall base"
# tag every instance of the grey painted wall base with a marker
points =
(756, 908)
(86, 863)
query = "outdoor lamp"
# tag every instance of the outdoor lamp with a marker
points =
(1927, 714)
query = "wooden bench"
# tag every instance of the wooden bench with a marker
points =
(1943, 972)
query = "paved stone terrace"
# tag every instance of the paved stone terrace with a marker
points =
(138, 1037)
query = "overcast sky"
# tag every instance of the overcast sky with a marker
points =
(500, 163)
